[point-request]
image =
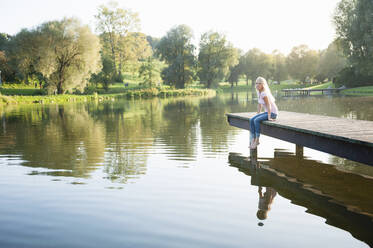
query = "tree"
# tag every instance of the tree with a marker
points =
(4, 39)
(331, 63)
(64, 52)
(353, 20)
(150, 73)
(253, 64)
(177, 50)
(114, 24)
(6, 70)
(234, 74)
(302, 63)
(153, 42)
(22, 53)
(105, 76)
(215, 57)
(279, 70)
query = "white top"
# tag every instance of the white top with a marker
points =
(261, 101)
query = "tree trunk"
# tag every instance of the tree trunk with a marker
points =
(59, 87)
(252, 86)
(60, 81)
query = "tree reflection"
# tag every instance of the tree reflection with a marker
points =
(63, 139)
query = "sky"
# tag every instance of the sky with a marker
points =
(247, 24)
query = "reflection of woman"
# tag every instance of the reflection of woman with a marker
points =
(266, 100)
(265, 202)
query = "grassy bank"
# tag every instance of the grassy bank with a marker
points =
(130, 93)
(359, 91)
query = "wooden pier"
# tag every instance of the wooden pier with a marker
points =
(347, 138)
(307, 92)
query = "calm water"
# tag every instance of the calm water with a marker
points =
(173, 173)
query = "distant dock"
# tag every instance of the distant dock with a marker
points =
(347, 138)
(307, 92)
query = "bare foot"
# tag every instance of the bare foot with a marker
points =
(254, 144)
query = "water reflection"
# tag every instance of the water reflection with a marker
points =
(265, 201)
(343, 199)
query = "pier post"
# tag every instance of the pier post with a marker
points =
(253, 156)
(299, 151)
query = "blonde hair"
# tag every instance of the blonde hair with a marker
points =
(262, 80)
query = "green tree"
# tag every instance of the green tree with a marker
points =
(332, 61)
(114, 24)
(153, 42)
(69, 54)
(253, 64)
(279, 70)
(4, 39)
(177, 50)
(133, 47)
(22, 53)
(234, 74)
(64, 52)
(302, 63)
(150, 73)
(353, 20)
(7, 72)
(216, 56)
(105, 76)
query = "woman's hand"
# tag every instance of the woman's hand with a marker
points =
(271, 119)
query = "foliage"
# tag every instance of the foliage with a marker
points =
(234, 74)
(253, 64)
(331, 63)
(133, 47)
(63, 53)
(278, 71)
(353, 20)
(114, 25)
(153, 42)
(216, 56)
(302, 63)
(350, 77)
(177, 50)
(4, 39)
(354, 27)
(106, 75)
(150, 73)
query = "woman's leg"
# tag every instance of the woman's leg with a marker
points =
(257, 121)
(252, 128)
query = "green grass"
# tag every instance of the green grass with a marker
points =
(20, 89)
(359, 91)
(322, 86)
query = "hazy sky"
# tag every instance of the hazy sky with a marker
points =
(265, 24)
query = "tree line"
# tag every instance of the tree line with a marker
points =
(66, 56)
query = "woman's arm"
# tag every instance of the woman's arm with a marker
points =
(259, 108)
(268, 107)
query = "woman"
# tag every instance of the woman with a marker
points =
(266, 100)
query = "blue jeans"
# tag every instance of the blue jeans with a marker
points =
(255, 124)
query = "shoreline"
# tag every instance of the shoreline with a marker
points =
(130, 94)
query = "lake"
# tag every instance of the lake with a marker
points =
(173, 173)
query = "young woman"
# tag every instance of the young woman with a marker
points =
(266, 100)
